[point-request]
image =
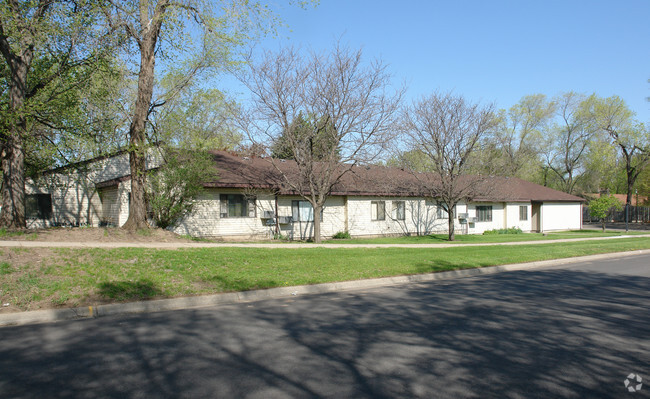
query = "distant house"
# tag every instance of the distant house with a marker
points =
(642, 199)
(249, 201)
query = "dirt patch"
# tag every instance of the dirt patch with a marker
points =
(95, 234)
(26, 280)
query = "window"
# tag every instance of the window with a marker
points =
(441, 213)
(38, 206)
(237, 205)
(523, 212)
(302, 211)
(484, 213)
(399, 208)
(378, 210)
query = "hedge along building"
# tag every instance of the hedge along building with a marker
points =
(249, 200)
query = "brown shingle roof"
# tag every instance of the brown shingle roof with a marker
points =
(262, 173)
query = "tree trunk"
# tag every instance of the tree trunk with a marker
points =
(317, 209)
(450, 219)
(603, 225)
(137, 145)
(12, 214)
(630, 187)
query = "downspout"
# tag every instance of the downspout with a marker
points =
(582, 215)
(277, 217)
(345, 213)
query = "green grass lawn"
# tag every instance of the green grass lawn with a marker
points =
(479, 238)
(76, 277)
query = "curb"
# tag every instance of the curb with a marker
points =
(159, 305)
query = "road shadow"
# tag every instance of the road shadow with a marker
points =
(527, 334)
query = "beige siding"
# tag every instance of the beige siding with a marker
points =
(512, 216)
(205, 219)
(333, 220)
(75, 200)
(498, 218)
(420, 217)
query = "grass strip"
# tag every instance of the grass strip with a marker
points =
(77, 277)
(479, 238)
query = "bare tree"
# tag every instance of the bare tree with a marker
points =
(336, 99)
(447, 129)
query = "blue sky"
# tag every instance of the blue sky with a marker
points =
(490, 51)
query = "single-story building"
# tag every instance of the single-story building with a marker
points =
(248, 201)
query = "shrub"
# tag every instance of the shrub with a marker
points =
(511, 230)
(342, 235)
(601, 207)
(174, 186)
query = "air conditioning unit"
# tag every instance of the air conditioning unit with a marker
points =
(284, 220)
(462, 216)
(472, 220)
(268, 215)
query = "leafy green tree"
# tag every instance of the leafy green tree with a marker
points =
(198, 119)
(513, 146)
(318, 138)
(190, 37)
(600, 208)
(174, 187)
(571, 136)
(631, 137)
(415, 160)
(49, 49)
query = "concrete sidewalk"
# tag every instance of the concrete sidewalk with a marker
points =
(178, 245)
(45, 316)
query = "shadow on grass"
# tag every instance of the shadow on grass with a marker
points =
(443, 266)
(240, 284)
(129, 290)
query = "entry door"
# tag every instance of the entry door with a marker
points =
(536, 222)
(110, 206)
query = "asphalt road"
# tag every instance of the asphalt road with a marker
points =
(574, 331)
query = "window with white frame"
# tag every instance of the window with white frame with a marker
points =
(523, 212)
(237, 206)
(399, 210)
(302, 211)
(484, 213)
(378, 210)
